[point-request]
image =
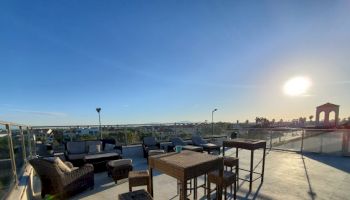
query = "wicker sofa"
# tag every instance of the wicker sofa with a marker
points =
(77, 150)
(59, 184)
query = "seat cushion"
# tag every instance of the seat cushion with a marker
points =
(120, 162)
(228, 177)
(155, 152)
(76, 156)
(76, 147)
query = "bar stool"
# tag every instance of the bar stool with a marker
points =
(232, 162)
(139, 178)
(227, 179)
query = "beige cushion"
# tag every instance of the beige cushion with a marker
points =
(94, 149)
(61, 165)
(116, 163)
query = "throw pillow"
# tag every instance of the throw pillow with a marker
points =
(109, 147)
(62, 166)
(94, 149)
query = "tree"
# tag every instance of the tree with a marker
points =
(311, 117)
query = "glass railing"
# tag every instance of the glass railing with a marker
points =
(332, 141)
(327, 141)
(14, 151)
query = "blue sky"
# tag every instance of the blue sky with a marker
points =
(167, 61)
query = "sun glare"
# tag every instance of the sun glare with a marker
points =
(297, 86)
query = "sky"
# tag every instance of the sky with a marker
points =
(170, 61)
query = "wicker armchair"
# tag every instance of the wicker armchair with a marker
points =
(149, 143)
(59, 184)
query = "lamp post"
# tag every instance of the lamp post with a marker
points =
(212, 121)
(99, 120)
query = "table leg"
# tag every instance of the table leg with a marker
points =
(236, 152)
(195, 188)
(251, 169)
(263, 166)
(183, 190)
(219, 186)
(223, 150)
(151, 180)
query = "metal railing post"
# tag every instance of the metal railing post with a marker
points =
(12, 154)
(270, 140)
(302, 141)
(23, 145)
(29, 141)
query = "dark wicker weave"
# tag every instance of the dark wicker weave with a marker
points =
(136, 195)
(118, 172)
(62, 185)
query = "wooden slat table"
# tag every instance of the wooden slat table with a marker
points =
(251, 145)
(185, 166)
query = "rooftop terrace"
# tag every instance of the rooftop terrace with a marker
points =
(288, 175)
(300, 163)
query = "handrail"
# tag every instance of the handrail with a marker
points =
(13, 124)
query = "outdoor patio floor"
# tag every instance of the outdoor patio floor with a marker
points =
(288, 175)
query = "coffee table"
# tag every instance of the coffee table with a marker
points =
(99, 161)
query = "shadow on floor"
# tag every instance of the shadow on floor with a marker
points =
(338, 162)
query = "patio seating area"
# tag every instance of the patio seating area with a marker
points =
(287, 176)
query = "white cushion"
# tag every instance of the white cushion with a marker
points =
(94, 149)
(61, 165)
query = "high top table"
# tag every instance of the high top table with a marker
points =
(248, 144)
(185, 166)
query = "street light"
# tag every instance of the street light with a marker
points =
(99, 120)
(212, 121)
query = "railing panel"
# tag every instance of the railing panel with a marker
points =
(324, 141)
(6, 177)
(18, 149)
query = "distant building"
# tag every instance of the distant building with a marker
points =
(326, 110)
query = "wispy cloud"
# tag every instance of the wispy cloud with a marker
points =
(44, 113)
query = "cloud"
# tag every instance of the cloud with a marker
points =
(43, 113)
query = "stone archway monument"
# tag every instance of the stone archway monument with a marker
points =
(327, 109)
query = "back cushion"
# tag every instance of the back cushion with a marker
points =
(94, 143)
(76, 147)
(150, 141)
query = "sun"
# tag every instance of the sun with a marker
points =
(297, 86)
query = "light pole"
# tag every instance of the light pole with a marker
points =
(212, 121)
(99, 120)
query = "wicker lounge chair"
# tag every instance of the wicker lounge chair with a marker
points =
(59, 184)
(149, 143)
(177, 141)
(209, 147)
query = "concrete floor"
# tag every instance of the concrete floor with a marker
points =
(287, 176)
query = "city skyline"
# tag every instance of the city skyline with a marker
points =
(171, 61)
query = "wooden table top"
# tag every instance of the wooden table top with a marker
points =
(243, 143)
(185, 165)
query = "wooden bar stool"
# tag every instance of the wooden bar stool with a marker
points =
(226, 180)
(139, 178)
(232, 162)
